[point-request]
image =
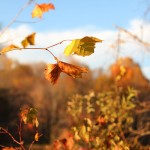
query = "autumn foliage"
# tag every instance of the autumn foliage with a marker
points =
(98, 112)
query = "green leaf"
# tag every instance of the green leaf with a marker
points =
(82, 47)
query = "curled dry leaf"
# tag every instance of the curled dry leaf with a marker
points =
(52, 72)
(72, 70)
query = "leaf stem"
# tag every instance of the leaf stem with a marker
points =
(51, 54)
(58, 43)
(46, 49)
(33, 142)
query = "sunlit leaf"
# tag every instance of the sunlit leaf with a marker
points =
(76, 136)
(41, 8)
(23, 114)
(29, 40)
(36, 122)
(36, 137)
(9, 48)
(82, 47)
(72, 70)
(71, 48)
(52, 72)
(84, 134)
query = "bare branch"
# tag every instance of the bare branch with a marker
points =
(133, 36)
(11, 136)
(16, 16)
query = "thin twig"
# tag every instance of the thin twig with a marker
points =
(133, 36)
(51, 54)
(46, 49)
(31, 144)
(20, 130)
(16, 16)
(58, 43)
(34, 142)
(122, 134)
(3, 146)
(28, 22)
(11, 136)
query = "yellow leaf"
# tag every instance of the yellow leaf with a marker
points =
(40, 9)
(36, 137)
(36, 122)
(25, 43)
(82, 47)
(29, 40)
(37, 12)
(9, 48)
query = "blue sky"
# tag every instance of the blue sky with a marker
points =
(103, 14)
(77, 18)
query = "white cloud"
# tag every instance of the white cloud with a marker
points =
(103, 56)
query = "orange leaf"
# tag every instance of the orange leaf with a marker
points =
(72, 70)
(29, 40)
(46, 7)
(52, 73)
(40, 9)
(8, 48)
(36, 137)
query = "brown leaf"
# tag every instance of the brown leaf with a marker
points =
(52, 73)
(8, 48)
(72, 70)
(29, 40)
(40, 9)
(23, 114)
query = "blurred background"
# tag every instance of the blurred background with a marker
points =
(121, 60)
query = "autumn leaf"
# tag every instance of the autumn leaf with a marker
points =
(29, 40)
(82, 47)
(72, 70)
(52, 72)
(36, 137)
(9, 48)
(23, 114)
(41, 8)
